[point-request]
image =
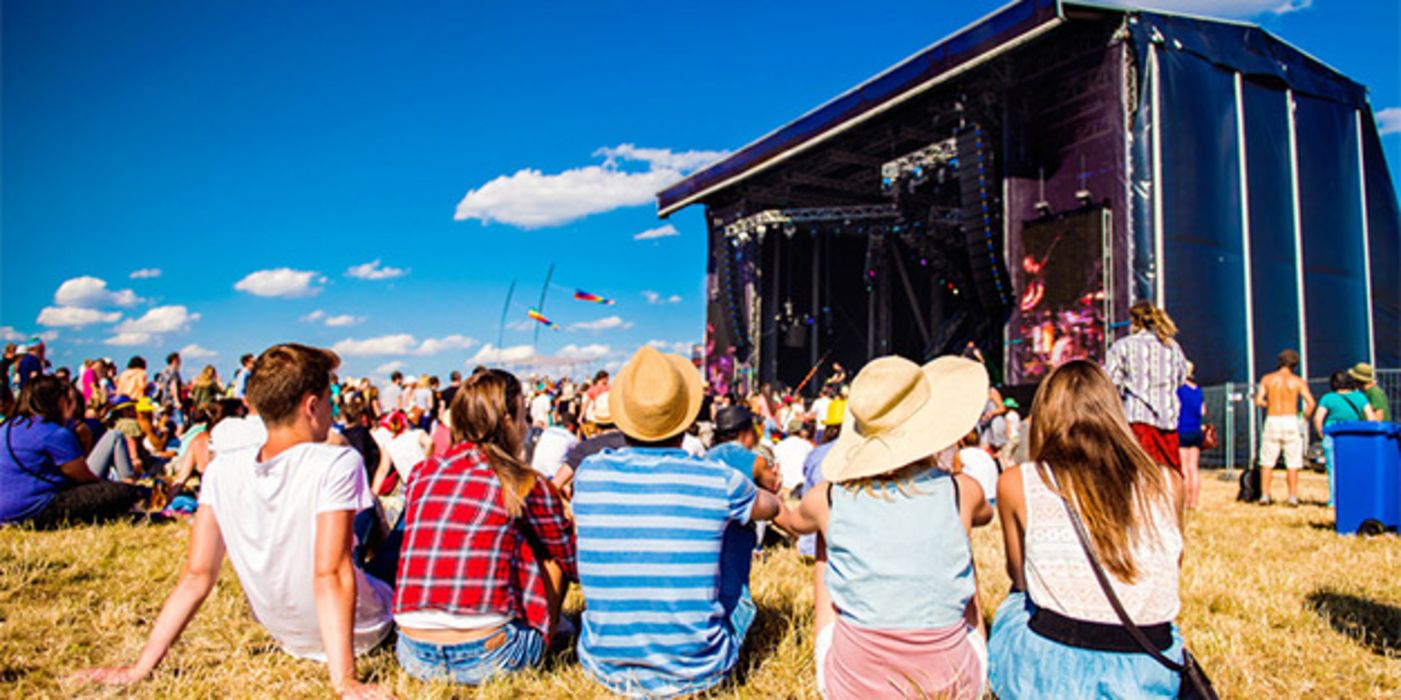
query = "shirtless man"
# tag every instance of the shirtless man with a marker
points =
(1280, 392)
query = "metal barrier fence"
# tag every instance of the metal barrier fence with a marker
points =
(1231, 407)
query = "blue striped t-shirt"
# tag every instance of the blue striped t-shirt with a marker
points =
(650, 526)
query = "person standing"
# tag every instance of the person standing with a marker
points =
(1147, 366)
(31, 363)
(1343, 404)
(1280, 394)
(169, 385)
(1366, 379)
(240, 378)
(1189, 434)
(132, 381)
(391, 395)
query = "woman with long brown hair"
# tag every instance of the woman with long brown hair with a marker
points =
(1057, 634)
(487, 546)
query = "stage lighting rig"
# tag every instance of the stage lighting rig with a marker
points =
(758, 224)
(915, 168)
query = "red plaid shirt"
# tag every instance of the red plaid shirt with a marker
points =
(463, 554)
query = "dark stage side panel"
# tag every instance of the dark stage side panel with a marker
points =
(1274, 278)
(1204, 269)
(1330, 206)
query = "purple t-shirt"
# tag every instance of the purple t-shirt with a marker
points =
(27, 487)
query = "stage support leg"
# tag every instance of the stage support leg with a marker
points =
(910, 294)
(816, 305)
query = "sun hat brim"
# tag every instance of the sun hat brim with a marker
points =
(638, 429)
(958, 393)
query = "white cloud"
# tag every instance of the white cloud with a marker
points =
(1236, 9)
(603, 324)
(492, 355)
(146, 273)
(679, 347)
(582, 354)
(10, 334)
(397, 344)
(660, 158)
(372, 271)
(1389, 121)
(389, 367)
(75, 316)
(657, 298)
(532, 199)
(91, 292)
(126, 339)
(160, 319)
(343, 320)
(433, 346)
(400, 344)
(314, 316)
(663, 231)
(194, 351)
(525, 356)
(280, 282)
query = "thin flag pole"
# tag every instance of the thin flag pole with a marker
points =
(501, 328)
(535, 341)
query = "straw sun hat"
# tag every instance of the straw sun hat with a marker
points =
(655, 396)
(900, 412)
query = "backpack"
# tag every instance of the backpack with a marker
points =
(1249, 483)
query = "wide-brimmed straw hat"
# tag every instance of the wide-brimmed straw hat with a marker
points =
(655, 396)
(900, 412)
(1363, 372)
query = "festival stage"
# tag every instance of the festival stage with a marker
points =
(1021, 183)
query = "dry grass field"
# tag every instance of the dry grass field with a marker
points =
(1274, 604)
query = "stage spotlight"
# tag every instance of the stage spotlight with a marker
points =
(1043, 208)
(1084, 197)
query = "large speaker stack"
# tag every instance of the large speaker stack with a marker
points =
(979, 221)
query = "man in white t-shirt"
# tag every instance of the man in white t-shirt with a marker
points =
(552, 446)
(790, 453)
(283, 510)
(819, 411)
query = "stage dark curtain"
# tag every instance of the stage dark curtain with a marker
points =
(1384, 231)
(1204, 274)
(1330, 202)
(1274, 278)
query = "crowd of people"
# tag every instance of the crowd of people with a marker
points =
(454, 518)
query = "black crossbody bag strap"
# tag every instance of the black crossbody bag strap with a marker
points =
(1193, 681)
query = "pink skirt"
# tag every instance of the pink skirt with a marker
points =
(864, 664)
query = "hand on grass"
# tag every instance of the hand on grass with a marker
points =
(113, 675)
(355, 690)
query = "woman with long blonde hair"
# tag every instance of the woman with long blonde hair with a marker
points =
(487, 548)
(1056, 634)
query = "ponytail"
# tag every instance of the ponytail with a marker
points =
(486, 411)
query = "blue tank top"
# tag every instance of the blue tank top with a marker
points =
(897, 561)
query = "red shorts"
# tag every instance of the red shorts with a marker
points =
(1161, 445)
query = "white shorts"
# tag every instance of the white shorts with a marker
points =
(1282, 434)
(823, 645)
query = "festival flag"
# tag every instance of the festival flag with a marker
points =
(541, 318)
(582, 295)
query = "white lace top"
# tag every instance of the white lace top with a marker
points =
(1059, 577)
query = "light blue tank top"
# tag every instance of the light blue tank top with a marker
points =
(897, 561)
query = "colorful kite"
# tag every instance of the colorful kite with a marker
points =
(532, 313)
(582, 295)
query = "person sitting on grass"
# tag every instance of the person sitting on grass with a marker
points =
(194, 454)
(896, 603)
(1057, 635)
(665, 615)
(476, 598)
(44, 476)
(282, 508)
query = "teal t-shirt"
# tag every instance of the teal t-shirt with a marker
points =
(1343, 407)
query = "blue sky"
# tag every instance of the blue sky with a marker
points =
(257, 154)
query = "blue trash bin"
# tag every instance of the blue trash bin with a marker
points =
(1367, 474)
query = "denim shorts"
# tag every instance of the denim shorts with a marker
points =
(471, 663)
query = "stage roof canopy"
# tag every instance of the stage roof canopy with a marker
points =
(1238, 46)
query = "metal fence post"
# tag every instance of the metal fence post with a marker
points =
(1230, 400)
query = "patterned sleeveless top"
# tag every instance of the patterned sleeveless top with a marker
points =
(1059, 577)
